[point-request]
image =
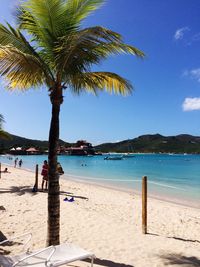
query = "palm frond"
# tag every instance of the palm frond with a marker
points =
(10, 36)
(36, 16)
(66, 50)
(20, 70)
(49, 20)
(13, 37)
(90, 46)
(99, 81)
(1, 120)
(80, 9)
(46, 20)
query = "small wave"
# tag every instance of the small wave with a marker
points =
(101, 179)
(165, 185)
(123, 180)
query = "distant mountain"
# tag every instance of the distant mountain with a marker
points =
(149, 143)
(17, 141)
(183, 143)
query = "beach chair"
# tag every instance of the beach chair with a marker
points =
(51, 256)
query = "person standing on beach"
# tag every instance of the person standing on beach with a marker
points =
(16, 162)
(44, 173)
(20, 163)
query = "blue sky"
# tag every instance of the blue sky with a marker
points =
(166, 97)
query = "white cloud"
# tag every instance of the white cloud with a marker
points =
(194, 74)
(191, 104)
(180, 33)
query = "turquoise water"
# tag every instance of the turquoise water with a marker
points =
(172, 177)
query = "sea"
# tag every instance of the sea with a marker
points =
(171, 177)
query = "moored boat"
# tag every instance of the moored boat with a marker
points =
(113, 158)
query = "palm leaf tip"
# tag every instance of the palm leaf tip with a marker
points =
(100, 81)
(82, 8)
(137, 52)
(21, 70)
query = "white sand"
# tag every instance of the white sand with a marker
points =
(105, 221)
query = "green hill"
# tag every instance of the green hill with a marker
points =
(17, 141)
(157, 143)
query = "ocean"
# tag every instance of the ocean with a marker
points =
(172, 177)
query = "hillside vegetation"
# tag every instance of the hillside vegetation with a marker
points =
(183, 143)
(17, 141)
(155, 143)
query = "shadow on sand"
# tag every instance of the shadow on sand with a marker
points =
(178, 259)
(21, 190)
(4, 251)
(108, 263)
(97, 261)
(8, 243)
(184, 240)
(68, 194)
(18, 190)
(177, 238)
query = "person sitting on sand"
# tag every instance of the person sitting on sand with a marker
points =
(59, 169)
(44, 173)
(5, 171)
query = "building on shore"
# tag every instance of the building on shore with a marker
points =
(81, 148)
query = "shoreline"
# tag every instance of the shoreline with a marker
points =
(90, 181)
(103, 220)
(178, 187)
(184, 203)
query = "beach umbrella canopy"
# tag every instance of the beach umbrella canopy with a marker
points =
(32, 149)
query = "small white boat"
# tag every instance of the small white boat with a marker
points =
(113, 158)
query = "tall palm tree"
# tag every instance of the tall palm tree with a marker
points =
(60, 55)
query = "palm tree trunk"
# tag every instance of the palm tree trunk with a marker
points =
(53, 236)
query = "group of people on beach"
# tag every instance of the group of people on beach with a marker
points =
(19, 162)
(45, 173)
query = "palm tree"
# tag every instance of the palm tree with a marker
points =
(3, 134)
(60, 55)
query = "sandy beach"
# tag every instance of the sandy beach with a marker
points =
(102, 220)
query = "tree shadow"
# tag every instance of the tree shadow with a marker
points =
(108, 263)
(183, 239)
(173, 259)
(152, 234)
(69, 194)
(21, 190)
(6, 244)
(177, 238)
(4, 251)
(18, 190)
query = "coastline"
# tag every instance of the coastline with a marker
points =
(170, 178)
(164, 198)
(103, 220)
(99, 182)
